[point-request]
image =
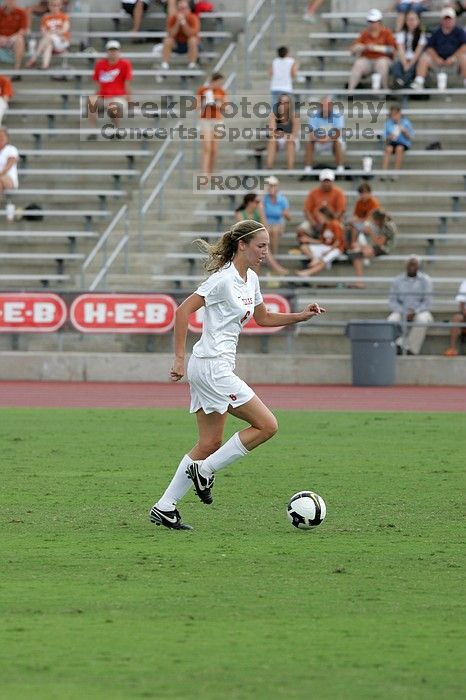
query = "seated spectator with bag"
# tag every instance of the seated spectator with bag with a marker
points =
(376, 238)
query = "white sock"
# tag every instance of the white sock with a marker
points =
(232, 450)
(178, 486)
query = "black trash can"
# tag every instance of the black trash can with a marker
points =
(373, 352)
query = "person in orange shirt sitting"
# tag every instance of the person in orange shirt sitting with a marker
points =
(375, 48)
(327, 194)
(324, 250)
(6, 92)
(210, 100)
(364, 205)
(13, 25)
(183, 35)
(55, 28)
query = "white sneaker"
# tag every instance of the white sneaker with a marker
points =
(309, 17)
(192, 66)
(157, 50)
(164, 66)
(416, 85)
(340, 168)
(159, 79)
(308, 169)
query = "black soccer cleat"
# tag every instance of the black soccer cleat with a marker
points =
(168, 518)
(201, 483)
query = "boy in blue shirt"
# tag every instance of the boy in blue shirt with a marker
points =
(398, 133)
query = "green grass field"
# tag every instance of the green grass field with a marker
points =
(98, 603)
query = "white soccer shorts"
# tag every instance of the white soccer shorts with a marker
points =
(214, 386)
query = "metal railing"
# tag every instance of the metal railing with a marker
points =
(101, 245)
(259, 23)
(158, 191)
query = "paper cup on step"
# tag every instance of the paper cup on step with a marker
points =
(376, 81)
(442, 80)
(367, 164)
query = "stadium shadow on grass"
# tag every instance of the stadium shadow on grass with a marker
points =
(98, 603)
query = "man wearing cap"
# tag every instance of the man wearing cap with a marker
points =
(410, 302)
(112, 74)
(446, 47)
(327, 194)
(325, 132)
(276, 210)
(374, 48)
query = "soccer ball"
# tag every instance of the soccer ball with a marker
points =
(306, 510)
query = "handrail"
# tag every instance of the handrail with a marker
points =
(252, 15)
(123, 212)
(231, 80)
(158, 189)
(224, 57)
(103, 271)
(259, 36)
(154, 162)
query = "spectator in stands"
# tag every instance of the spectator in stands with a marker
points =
(325, 133)
(375, 48)
(375, 238)
(55, 29)
(13, 26)
(282, 71)
(6, 92)
(40, 8)
(276, 209)
(211, 98)
(252, 208)
(327, 194)
(324, 250)
(410, 302)
(398, 132)
(137, 9)
(411, 41)
(183, 35)
(445, 47)
(311, 11)
(363, 207)
(458, 332)
(283, 131)
(8, 163)
(112, 74)
(404, 7)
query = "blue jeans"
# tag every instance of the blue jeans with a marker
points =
(405, 7)
(399, 73)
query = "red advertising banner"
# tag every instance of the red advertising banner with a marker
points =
(123, 313)
(274, 302)
(31, 312)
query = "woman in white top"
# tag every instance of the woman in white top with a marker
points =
(230, 297)
(8, 163)
(411, 42)
(282, 71)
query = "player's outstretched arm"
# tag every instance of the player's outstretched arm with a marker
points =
(269, 318)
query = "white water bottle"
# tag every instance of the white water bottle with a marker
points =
(10, 211)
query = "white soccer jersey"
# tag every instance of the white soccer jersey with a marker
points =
(229, 304)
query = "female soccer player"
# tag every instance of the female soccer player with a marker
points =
(231, 295)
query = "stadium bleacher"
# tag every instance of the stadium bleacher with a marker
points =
(64, 173)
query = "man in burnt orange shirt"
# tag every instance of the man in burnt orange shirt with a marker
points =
(374, 48)
(6, 92)
(13, 25)
(327, 194)
(183, 35)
